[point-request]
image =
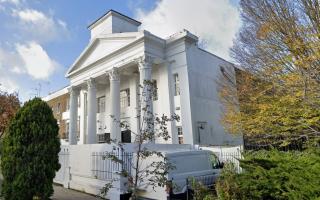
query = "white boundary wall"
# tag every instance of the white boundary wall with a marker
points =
(76, 170)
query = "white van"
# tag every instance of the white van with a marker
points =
(201, 165)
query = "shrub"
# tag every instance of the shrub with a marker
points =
(200, 191)
(226, 186)
(30, 153)
(273, 175)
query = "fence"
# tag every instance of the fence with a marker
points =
(105, 168)
(232, 157)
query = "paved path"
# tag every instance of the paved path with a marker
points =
(61, 193)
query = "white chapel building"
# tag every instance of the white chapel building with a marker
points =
(105, 79)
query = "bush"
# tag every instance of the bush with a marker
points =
(273, 175)
(30, 153)
(226, 186)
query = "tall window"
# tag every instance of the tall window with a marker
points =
(155, 90)
(68, 104)
(176, 85)
(58, 108)
(125, 98)
(101, 104)
(180, 135)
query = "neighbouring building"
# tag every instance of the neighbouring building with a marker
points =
(105, 79)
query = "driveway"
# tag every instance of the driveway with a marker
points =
(61, 193)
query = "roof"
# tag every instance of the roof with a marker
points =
(56, 93)
(115, 12)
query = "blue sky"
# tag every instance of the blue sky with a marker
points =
(40, 39)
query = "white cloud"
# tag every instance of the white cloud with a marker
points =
(30, 15)
(39, 27)
(36, 60)
(15, 2)
(8, 85)
(10, 60)
(215, 22)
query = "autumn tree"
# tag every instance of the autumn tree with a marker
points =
(9, 105)
(277, 91)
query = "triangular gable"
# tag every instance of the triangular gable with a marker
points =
(99, 48)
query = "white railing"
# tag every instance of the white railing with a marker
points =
(105, 168)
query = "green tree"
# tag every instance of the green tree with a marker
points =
(30, 153)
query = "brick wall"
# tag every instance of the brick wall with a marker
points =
(59, 105)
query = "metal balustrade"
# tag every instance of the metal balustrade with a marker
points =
(105, 168)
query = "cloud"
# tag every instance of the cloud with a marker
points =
(39, 27)
(30, 15)
(9, 59)
(36, 61)
(15, 2)
(215, 22)
(8, 85)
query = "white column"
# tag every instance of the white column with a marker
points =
(146, 116)
(73, 120)
(92, 112)
(173, 128)
(115, 130)
(83, 117)
(135, 108)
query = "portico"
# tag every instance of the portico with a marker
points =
(138, 70)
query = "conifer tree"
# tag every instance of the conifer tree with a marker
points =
(30, 153)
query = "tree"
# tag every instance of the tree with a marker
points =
(9, 105)
(150, 167)
(278, 48)
(30, 153)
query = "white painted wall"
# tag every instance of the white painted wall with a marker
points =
(113, 23)
(76, 166)
(177, 53)
(204, 72)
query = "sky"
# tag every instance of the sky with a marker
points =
(40, 39)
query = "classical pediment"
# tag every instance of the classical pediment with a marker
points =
(99, 48)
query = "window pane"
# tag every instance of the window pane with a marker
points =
(125, 98)
(180, 135)
(101, 104)
(176, 85)
(154, 90)
(179, 130)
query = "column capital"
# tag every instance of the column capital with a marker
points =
(91, 83)
(169, 62)
(114, 74)
(145, 61)
(73, 90)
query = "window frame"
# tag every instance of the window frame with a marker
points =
(101, 108)
(125, 100)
